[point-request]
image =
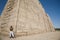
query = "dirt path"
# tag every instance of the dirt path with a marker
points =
(44, 36)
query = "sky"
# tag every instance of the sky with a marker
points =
(2, 4)
(51, 7)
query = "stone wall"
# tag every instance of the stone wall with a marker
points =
(9, 15)
(0, 23)
(26, 16)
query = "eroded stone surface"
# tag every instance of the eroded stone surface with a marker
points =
(26, 16)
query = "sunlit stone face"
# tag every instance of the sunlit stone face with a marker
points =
(25, 16)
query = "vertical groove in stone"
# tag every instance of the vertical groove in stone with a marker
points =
(17, 15)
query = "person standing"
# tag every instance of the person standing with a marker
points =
(11, 32)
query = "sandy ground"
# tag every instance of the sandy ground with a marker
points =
(44, 36)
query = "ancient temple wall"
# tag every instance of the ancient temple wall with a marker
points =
(46, 18)
(31, 17)
(50, 23)
(9, 15)
(0, 23)
(25, 16)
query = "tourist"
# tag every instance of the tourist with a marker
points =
(11, 32)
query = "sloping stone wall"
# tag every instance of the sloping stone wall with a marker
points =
(26, 16)
(0, 23)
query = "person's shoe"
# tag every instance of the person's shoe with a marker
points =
(10, 37)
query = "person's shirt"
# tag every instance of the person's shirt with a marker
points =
(11, 29)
